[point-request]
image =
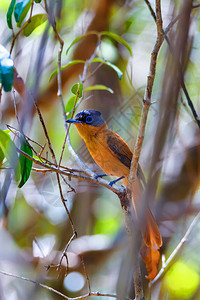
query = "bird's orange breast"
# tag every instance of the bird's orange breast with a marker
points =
(96, 142)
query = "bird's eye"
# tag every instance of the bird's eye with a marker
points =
(89, 119)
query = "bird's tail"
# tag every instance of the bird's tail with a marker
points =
(149, 229)
(152, 239)
(150, 232)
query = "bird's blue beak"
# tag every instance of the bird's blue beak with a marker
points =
(73, 121)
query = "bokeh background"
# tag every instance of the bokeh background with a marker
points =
(34, 225)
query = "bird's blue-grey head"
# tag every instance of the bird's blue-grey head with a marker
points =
(88, 117)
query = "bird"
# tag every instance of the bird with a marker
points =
(114, 157)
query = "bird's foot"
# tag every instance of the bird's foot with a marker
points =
(100, 176)
(114, 181)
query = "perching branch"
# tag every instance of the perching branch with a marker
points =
(53, 168)
(141, 132)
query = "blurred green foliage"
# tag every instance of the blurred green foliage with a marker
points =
(36, 210)
(182, 280)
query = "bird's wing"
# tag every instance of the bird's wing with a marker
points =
(120, 148)
(123, 152)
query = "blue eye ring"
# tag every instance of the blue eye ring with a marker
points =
(89, 119)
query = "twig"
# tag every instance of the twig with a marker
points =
(64, 254)
(22, 28)
(55, 162)
(67, 139)
(86, 275)
(65, 117)
(141, 132)
(114, 188)
(58, 178)
(166, 265)
(195, 5)
(13, 129)
(147, 100)
(97, 294)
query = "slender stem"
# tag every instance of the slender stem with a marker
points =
(166, 265)
(96, 294)
(142, 126)
(22, 28)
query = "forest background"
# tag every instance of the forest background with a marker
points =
(62, 230)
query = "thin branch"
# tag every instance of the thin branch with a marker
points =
(22, 28)
(65, 117)
(195, 5)
(58, 180)
(151, 9)
(171, 24)
(118, 190)
(166, 265)
(86, 275)
(67, 139)
(141, 132)
(97, 294)
(64, 254)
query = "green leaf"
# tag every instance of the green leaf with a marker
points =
(99, 87)
(6, 73)
(76, 40)
(70, 104)
(77, 89)
(118, 39)
(8, 148)
(2, 156)
(21, 10)
(73, 62)
(36, 21)
(37, 1)
(25, 163)
(9, 13)
(115, 68)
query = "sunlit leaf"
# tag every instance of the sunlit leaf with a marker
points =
(77, 89)
(70, 104)
(118, 39)
(76, 40)
(99, 87)
(8, 148)
(36, 21)
(21, 10)
(10, 13)
(73, 62)
(25, 163)
(2, 156)
(115, 68)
